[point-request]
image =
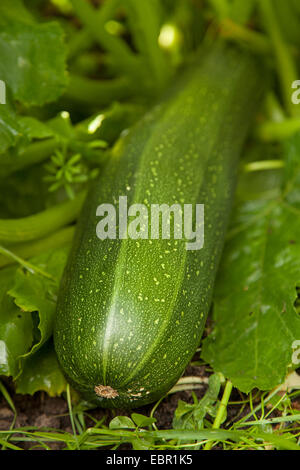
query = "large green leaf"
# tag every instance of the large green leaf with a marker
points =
(32, 55)
(10, 131)
(16, 327)
(41, 372)
(256, 322)
(37, 295)
(27, 309)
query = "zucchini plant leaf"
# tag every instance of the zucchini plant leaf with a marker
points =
(35, 129)
(10, 131)
(256, 321)
(37, 295)
(16, 132)
(33, 55)
(15, 327)
(42, 372)
(27, 308)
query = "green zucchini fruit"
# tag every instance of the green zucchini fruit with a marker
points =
(131, 312)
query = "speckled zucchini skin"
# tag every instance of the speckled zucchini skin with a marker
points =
(131, 313)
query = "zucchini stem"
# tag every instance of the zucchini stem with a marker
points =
(95, 24)
(286, 67)
(30, 267)
(91, 92)
(277, 131)
(30, 249)
(39, 225)
(34, 153)
(264, 165)
(258, 42)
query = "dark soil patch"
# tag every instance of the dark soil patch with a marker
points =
(42, 411)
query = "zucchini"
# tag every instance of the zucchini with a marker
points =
(131, 312)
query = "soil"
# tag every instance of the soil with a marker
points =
(42, 411)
